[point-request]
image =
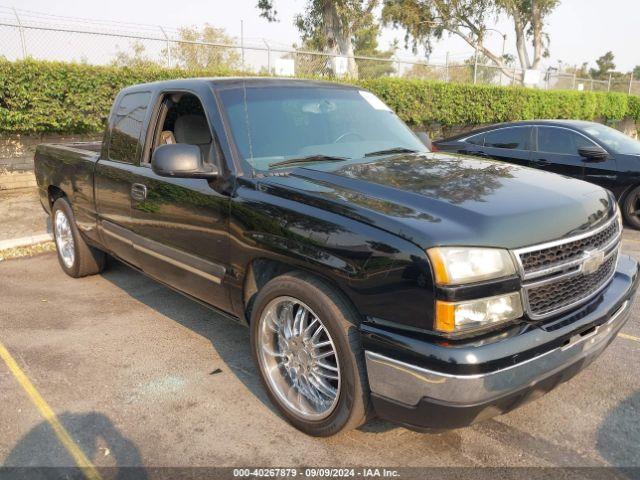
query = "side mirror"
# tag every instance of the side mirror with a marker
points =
(594, 154)
(424, 138)
(181, 160)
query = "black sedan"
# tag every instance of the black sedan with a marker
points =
(585, 150)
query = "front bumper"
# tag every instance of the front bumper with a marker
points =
(430, 397)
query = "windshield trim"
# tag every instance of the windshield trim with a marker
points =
(243, 168)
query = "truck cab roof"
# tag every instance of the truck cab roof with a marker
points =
(221, 82)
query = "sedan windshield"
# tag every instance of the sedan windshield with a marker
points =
(615, 140)
(275, 126)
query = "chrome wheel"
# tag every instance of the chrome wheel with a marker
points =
(298, 358)
(64, 239)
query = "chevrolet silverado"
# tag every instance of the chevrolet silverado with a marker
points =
(376, 277)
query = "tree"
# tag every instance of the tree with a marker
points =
(330, 24)
(605, 67)
(137, 57)
(485, 71)
(434, 72)
(425, 20)
(582, 71)
(636, 72)
(365, 43)
(571, 76)
(194, 56)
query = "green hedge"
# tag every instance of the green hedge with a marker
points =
(53, 97)
(423, 102)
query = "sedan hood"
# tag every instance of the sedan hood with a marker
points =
(441, 199)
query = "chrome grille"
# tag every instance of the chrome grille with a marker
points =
(546, 257)
(557, 276)
(552, 296)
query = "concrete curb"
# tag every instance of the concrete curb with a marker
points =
(25, 241)
(15, 180)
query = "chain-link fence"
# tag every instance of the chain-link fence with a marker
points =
(25, 34)
(618, 83)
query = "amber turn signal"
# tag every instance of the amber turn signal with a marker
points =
(445, 316)
(439, 267)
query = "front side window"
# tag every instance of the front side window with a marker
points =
(183, 120)
(128, 119)
(509, 138)
(561, 141)
(280, 123)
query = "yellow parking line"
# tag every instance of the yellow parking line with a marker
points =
(629, 337)
(72, 447)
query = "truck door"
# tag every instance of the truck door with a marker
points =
(180, 224)
(115, 172)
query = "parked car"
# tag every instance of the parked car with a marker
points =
(433, 290)
(586, 150)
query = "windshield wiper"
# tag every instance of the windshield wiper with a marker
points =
(390, 151)
(309, 159)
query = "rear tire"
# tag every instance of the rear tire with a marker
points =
(75, 256)
(309, 405)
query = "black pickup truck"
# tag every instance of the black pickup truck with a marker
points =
(377, 278)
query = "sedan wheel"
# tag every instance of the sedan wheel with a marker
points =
(631, 208)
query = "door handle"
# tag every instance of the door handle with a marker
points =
(480, 154)
(138, 191)
(541, 162)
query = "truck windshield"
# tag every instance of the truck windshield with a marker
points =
(273, 125)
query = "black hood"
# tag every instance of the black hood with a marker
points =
(441, 199)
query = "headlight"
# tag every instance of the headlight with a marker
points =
(475, 314)
(456, 265)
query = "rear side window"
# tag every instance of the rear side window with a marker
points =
(128, 119)
(509, 138)
(560, 140)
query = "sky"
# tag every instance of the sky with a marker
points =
(580, 30)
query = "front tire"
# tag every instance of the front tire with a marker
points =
(76, 258)
(306, 346)
(631, 208)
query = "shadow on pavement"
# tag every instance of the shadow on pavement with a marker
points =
(618, 438)
(377, 425)
(539, 447)
(230, 340)
(40, 450)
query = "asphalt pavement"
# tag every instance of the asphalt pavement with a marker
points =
(138, 375)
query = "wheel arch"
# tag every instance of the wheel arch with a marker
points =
(260, 271)
(54, 193)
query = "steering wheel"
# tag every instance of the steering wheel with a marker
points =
(344, 135)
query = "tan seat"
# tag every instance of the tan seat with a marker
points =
(194, 130)
(167, 138)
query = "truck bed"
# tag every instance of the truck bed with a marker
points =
(69, 167)
(87, 146)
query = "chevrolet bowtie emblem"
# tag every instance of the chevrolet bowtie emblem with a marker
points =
(592, 261)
